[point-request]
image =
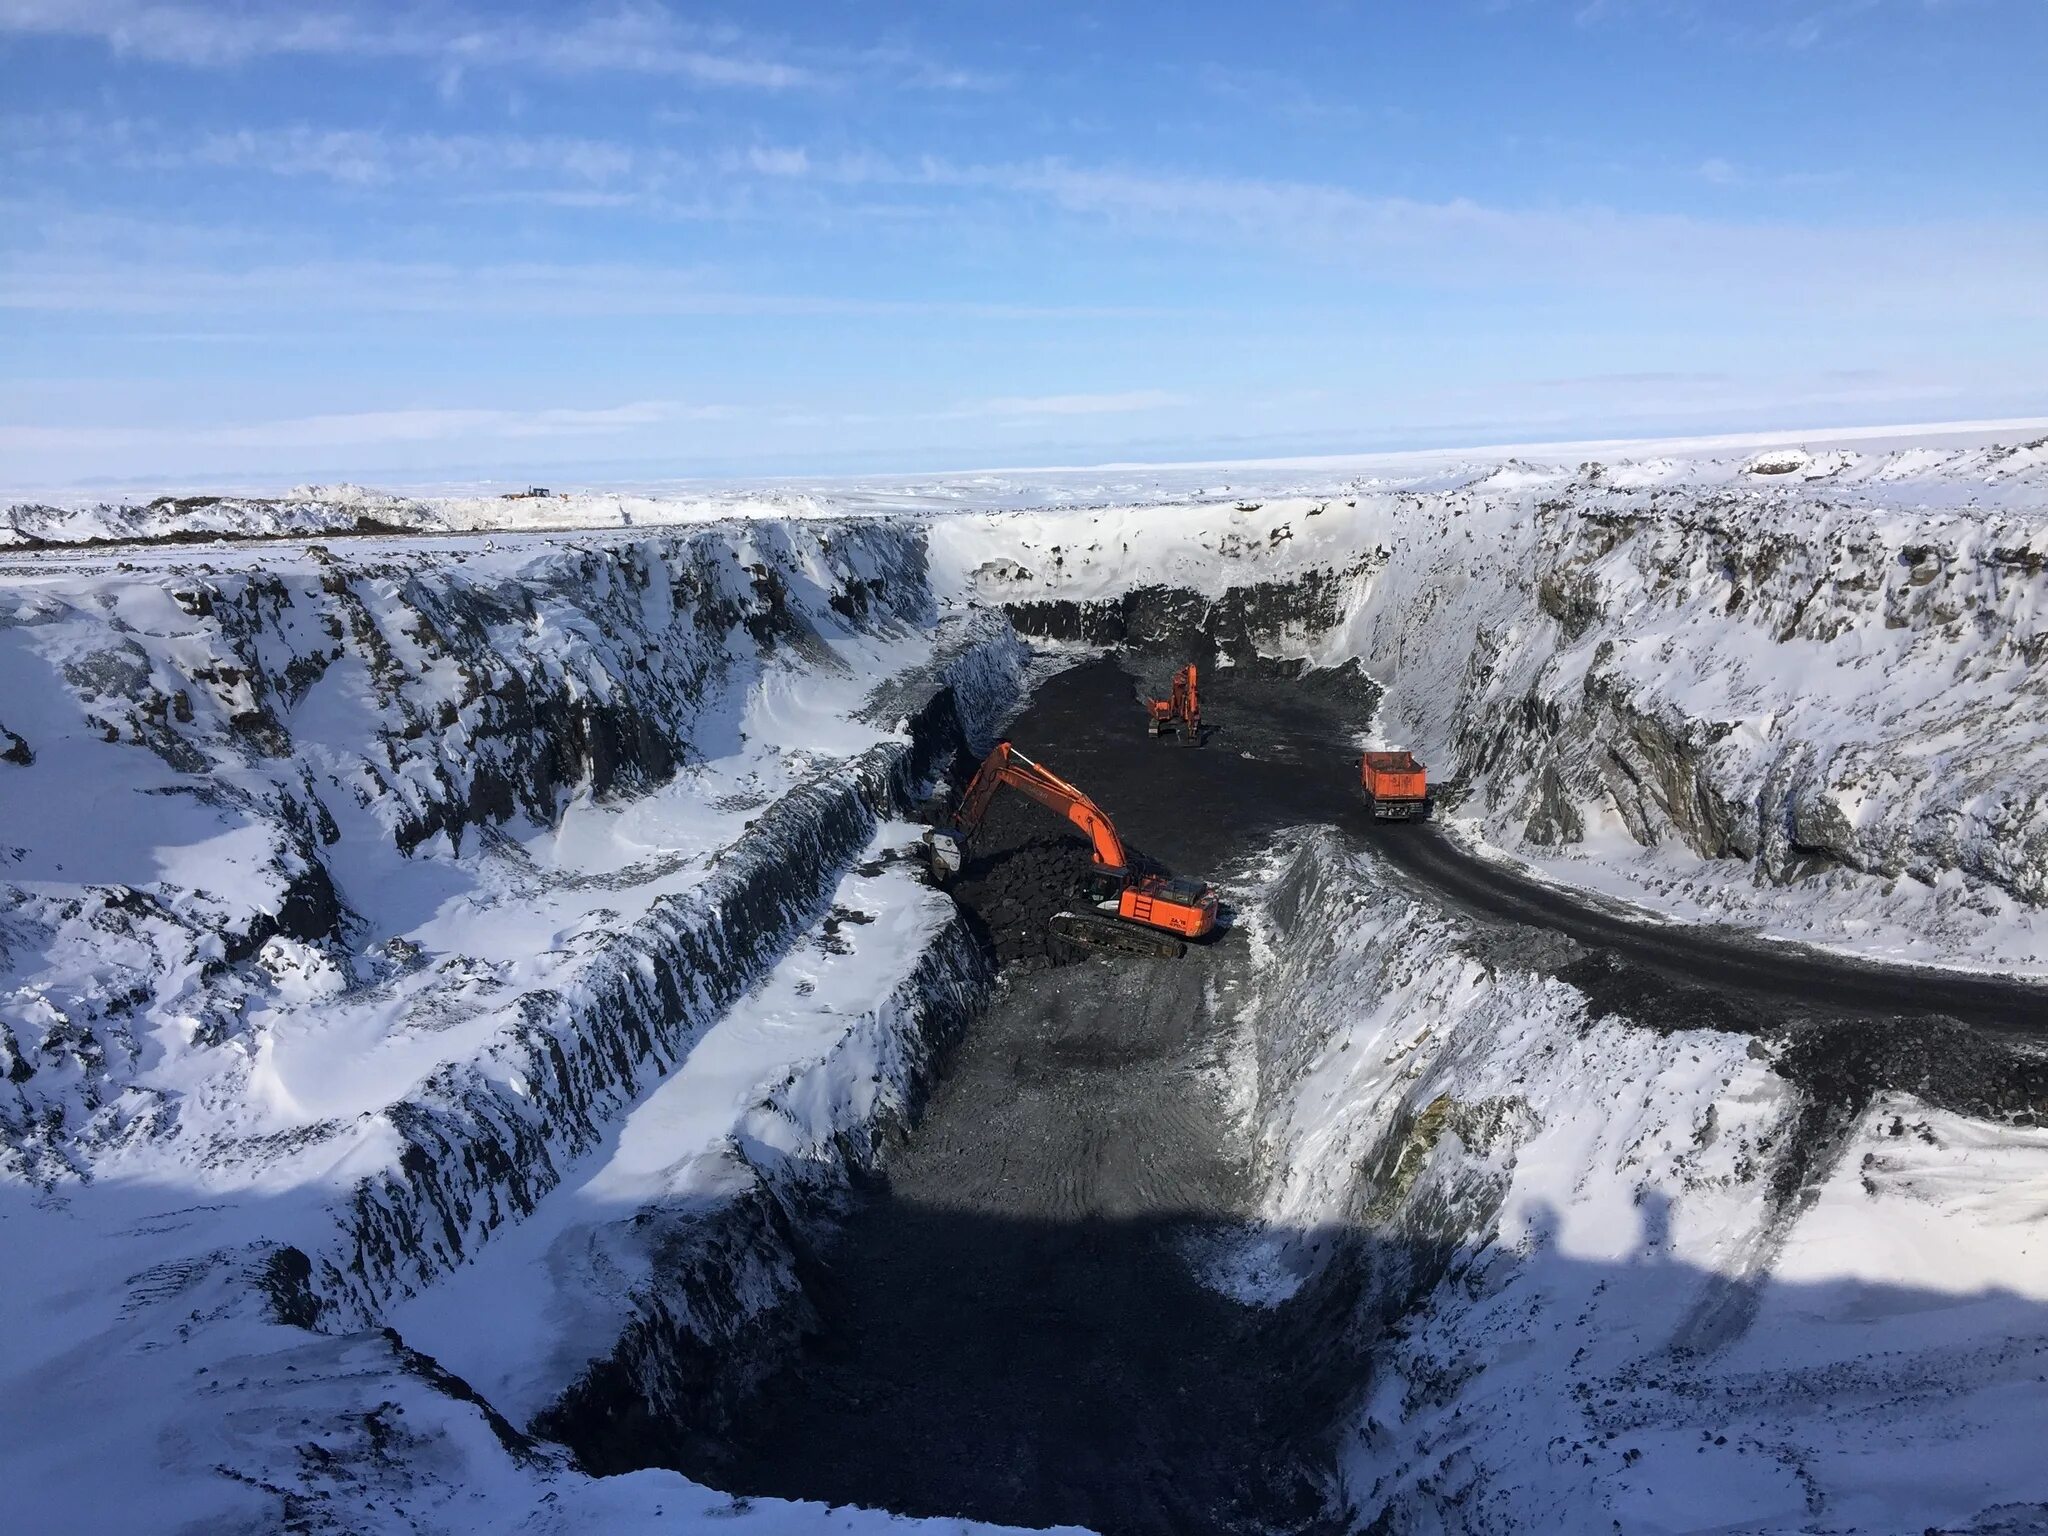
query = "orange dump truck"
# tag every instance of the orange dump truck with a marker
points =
(1396, 786)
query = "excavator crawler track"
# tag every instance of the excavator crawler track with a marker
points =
(1087, 930)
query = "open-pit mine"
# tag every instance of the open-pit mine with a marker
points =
(1486, 997)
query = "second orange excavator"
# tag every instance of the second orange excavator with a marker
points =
(1179, 711)
(1133, 914)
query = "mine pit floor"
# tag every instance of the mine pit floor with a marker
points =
(1012, 1327)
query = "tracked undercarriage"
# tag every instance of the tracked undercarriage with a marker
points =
(1113, 935)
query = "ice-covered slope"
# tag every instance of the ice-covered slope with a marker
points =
(1618, 1273)
(498, 940)
(357, 911)
(1796, 692)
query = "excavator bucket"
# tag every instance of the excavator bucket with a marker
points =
(946, 853)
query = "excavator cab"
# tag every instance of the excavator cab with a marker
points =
(1104, 884)
(1182, 906)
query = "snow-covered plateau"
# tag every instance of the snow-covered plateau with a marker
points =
(459, 958)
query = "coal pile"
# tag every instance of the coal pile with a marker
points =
(1013, 893)
(1022, 869)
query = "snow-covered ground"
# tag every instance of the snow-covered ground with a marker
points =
(440, 931)
(1795, 692)
(149, 1387)
(70, 515)
(1612, 1281)
(363, 913)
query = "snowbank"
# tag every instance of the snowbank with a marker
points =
(1616, 1273)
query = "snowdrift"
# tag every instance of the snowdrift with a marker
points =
(364, 907)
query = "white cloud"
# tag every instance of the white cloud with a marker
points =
(367, 157)
(640, 37)
(366, 429)
(62, 280)
(1988, 269)
(642, 41)
(1720, 172)
(354, 156)
(778, 162)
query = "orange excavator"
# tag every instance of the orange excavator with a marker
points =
(1133, 914)
(1179, 711)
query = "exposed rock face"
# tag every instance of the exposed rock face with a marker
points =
(417, 701)
(1242, 623)
(1599, 1257)
(476, 1151)
(488, 691)
(728, 1301)
(1797, 678)
(464, 854)
(1904, 643)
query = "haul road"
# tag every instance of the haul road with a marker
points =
(1010, 1327)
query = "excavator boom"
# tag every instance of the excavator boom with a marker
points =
(1006, 765)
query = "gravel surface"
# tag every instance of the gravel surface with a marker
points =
(1011, 1329)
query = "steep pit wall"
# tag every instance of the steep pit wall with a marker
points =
(430, 714)
(1572, 1232)
(1241, 624)
(730, 1299)
(418, 698)
(1770, 683)
(398, 697)
(1856, 691)
(1394, 1059)
(484, 1139)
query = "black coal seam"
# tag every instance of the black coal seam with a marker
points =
(475, 1153)
(1237, 624)
(701, 1337)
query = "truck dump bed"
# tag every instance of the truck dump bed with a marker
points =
(1392, 779)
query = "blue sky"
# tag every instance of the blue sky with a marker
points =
(264, 243)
